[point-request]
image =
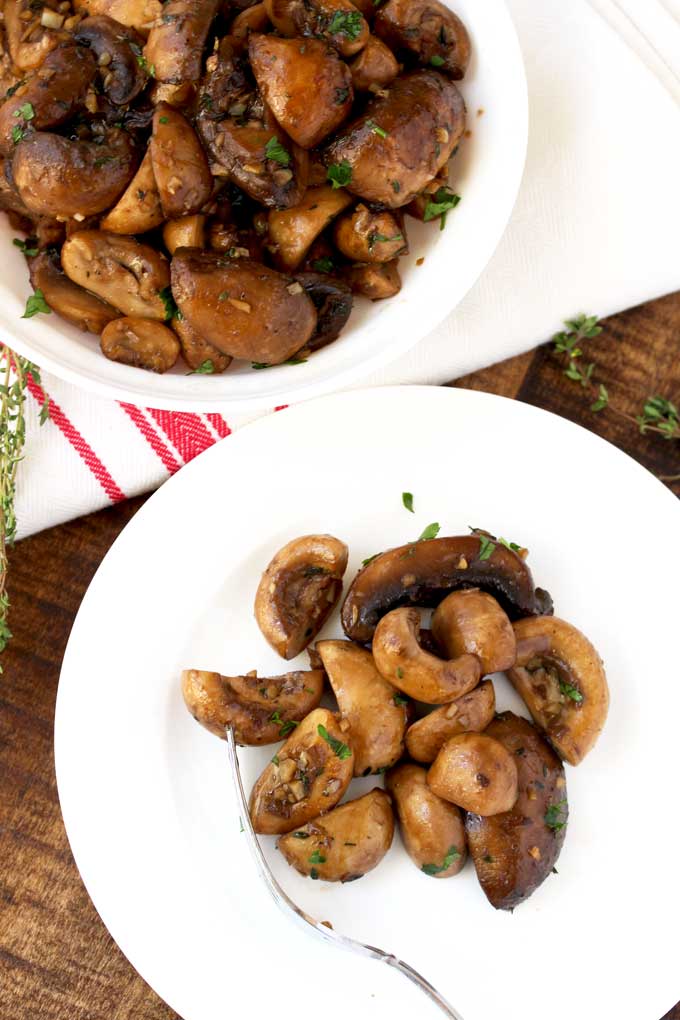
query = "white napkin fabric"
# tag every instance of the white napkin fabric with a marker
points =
(595, 229)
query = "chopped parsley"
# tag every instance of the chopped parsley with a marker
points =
(510, 545)
(26, 111)
(206, 367)
(570, 691)
(36, 303)
(486, 548)
(339, 174)
(400, 673)
(399, 699)
(17, 134)
(376, 238)
(317, 858)
(314, 874)
(439, 204)
(431, 531)
(347, 23)
(554, 816)
(13, 88)
(301, 835)
(341, 750)
(168, 300)
(285, 726)
(407, 500)
(369, 559)
(396, 187)
(277, 152)
(341, 96)
(162, 120)
(436, 869)
(275, 760)
(323, 265)
(437, 61)
(376, 129)
(27, 247)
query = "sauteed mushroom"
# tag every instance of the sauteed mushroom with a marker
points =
(426, 30)
(376, 281)
(475, 772)
(184, 232)
(179, 163)
(332, 299)
(401, 660)
(66, 298)
(375, 710)
(344, 844)
(299, 590)
(142, 343)
(176, 41)
(515, 851)
(306, 778)
(292, 231)
(470, 713)
(366, 235)
(432, 829)
(138, 14)
(117, 50)
(472, 621)
(261, 710)
(560, 677)
(338, 21)
(375, 67)
(124, 272)
(29, 41)
(139, 207)
(423, 573)
(197, 352)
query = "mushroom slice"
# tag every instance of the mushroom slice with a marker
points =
(470, 713)
(200, 356)
(261, 710)
(179, 163)
(332, 299)
(141, 343)
(346, 843)
(376, 281)
(126, 273)
(138, 14)
(299, 590)
(28, 40)
(515, 851)
(66, 298)
(375, 67)
(241, 307)
(475, 772)
(424, 572)
(427, 30)
(117, 49)
(288, 71)
(139, 207)
(432, 829)
(306, 778)
(292, 231)
(337, 21)
(401, 660)
(176, 42)
(364, 235)
(185, 232)
(56, 176)
(375, 710)
(471, 621)
(252, 19)
(561, 679)
(401, 139)
(52, 95)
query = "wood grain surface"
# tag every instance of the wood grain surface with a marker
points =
(57, 962)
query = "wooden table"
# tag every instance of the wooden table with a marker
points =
(57, 962)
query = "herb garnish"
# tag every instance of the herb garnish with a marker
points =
(396, 187)
(341, 750)
(339, 174)
(486, 547)
(400, 673)
(399, 699)
(301, 835)
(441, 203)
(314, 874)
(375, 238)
(162, 120)
(369, 559)
(27, 247)
(341, 96)
(437, 61)
(316, 858)
(285, 727)
(512, 546)
(274, 150)
(25, 111)
(570, 691)
(168, 300)
(553, 817)
(436, 869)
(275, 760)
(347, 23)
(376, 129)
(36, 303)
(258, 365)
(206, 367)
(407, 500)
(323, 265)
(431, 531)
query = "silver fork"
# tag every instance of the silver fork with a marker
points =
(305, 920)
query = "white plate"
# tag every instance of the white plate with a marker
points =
(146, 794)
(486, 174)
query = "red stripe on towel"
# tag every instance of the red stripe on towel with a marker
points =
(186, 432)
(136, 415)
(219, 424)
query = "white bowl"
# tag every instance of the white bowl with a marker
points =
(486, 173)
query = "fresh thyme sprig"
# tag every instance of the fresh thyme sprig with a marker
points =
(14, 375)
(659, 415)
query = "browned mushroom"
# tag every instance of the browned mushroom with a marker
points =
(185, 232)
(118, 51)
(432, 829)
(176, 41)
(28, 39)
(470, 713)
(337, 21)
(299, 590)
(332, 299)
(374, 708)
(426, 30)
(139, 207)
(406, 664)
(401, 139)
(306, 778)
(288, 72)
(475, 772)
(141, 15)
(472, 621)
(364, 235)
(261, 710)
(292, 231)
(179, 163)
(252, 19)
(199, 355)
(560, 676)
(66, 298)
(424, 572)
(515, 851)
(374, 68)
(377, 280)
(56, 176)
(50, 96)
(344, 844)
(241, 307)
(142, 343)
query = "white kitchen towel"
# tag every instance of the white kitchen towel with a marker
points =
(595, 229)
